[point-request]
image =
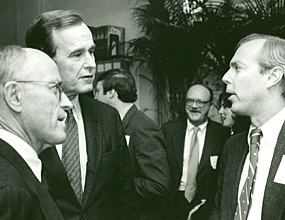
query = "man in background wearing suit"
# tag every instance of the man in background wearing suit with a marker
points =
(251, 182)
(93, 180)
(146, 144)
(32, 116)
(193, 145)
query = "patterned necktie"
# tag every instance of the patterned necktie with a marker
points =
(247, 189)
(193, 163)
(71, 157)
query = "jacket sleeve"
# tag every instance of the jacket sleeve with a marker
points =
(152, 177)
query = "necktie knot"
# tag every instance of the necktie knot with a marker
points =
(69, 112)
(195, 130)
(70, 116)
(255, 136)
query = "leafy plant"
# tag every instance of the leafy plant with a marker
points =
(184, 40)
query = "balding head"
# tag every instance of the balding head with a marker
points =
(198, 102)
(32, 105)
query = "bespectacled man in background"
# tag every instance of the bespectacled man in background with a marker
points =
(193, 146)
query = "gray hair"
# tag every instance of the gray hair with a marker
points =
(12, 58)
(272, 53)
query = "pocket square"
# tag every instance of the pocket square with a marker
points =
(127, 139)
(213, 160)
(280, 177)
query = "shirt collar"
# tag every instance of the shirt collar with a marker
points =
(24, 150)
(201, 126)
(271, 129)
(76, 109)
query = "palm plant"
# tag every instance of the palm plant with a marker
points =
(185, 39)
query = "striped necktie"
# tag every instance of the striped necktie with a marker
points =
(193, 163)
(248, 187)
(71, 156)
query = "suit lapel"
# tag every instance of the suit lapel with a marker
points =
(128, 117)
(237, 159)
(48, 207)
(208, 145)
(178, 142)
(53, 169)
(274, 202)
(94, 142)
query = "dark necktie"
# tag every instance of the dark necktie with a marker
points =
(71, 157)
(247, 189)
(193, 163)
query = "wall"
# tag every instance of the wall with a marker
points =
(8, 33)
(16, 15)
(101, 12)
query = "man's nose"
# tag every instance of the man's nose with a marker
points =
(65, 102)
(226, 78)
(90, 61)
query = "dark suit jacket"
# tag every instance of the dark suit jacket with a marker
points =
(108, 177)
(216, 135)
(151, 172)
(232, 161)
(22, 197)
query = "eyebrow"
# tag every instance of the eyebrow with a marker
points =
(237, 63)
(80, 50)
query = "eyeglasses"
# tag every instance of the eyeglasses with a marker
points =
(57, 85)
(199, 102)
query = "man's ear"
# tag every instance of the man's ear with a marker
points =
(12, 96)
(112, 94)
(275, 75)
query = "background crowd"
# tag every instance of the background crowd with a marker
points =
(65, 155)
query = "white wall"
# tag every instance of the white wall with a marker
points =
(16, 15)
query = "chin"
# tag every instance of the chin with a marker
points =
(85, 89)
(58, 138)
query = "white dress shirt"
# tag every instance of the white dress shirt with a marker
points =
(201, 140)
(29, 155)
(76, 110)
(270, 131)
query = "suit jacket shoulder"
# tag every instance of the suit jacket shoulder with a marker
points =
(21, 194)
(151, 171)
(147, 146)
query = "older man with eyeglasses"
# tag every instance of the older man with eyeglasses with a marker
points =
(194, 144)
(32, 119)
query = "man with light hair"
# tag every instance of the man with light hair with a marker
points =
(251, 181)
(32, 118)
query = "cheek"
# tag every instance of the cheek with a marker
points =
(50, 112)
(67, 71)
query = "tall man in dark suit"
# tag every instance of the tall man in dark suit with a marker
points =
(194, 145)
(146, 144)
(32, 116)
(251, 183)
(93, 181)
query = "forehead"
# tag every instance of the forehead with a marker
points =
(73, 37)
(248, 52)
(198, 92)
(41, 67)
